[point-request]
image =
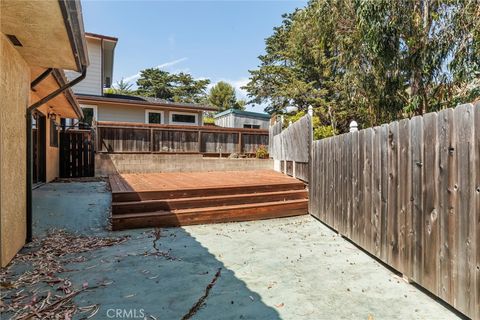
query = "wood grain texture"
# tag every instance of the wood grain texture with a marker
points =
(409, 194)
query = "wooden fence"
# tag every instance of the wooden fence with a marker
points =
(292, 147)
(409, 193)
(77, 154)
(116, 137)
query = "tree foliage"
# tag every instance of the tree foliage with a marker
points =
(223, 96)
(179, 87)
(371, 60)
(121, 87)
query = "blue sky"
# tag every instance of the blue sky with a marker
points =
(218, 40)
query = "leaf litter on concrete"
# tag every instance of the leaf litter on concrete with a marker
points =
(45, 259)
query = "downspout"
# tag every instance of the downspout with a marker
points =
(30, 110)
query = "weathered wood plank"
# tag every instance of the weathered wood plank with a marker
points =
(361, 189)
(368, 191)
(355, 186)
(464, 118)
(430, 205)
(377, 173)
(404, 196)
(476, 265)
(391, 197)
(416, 144)
(445, 132)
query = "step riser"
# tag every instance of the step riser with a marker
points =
(176, 194)
(248, 214)
(176, 204)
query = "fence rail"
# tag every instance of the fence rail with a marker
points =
(121, 137)
(409, 193)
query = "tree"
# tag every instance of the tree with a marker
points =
(222, 95)
(181, 87)
(121, 87)
(370, 60)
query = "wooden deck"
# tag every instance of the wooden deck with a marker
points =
(183, 198)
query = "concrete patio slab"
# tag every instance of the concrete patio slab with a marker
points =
(291, 268)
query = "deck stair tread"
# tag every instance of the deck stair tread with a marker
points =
(206, 201)
(168, 199)
(210, 209)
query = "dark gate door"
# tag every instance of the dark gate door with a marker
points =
(77, 154)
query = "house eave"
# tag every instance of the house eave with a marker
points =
(125, 102)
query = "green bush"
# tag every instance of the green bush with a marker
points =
(261, 152)
(208, 120)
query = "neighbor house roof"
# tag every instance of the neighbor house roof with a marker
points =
(141, 102)
(100, 36)
(243, 113)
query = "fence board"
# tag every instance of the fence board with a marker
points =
(430, 223)
(463, 116)
(444, 134)
(376, 223)
(409, 193)
(390, 199)
(251, 142)
(174, 141)
(404, 195)
(476, 292)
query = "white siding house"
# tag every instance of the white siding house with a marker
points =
(92, 84)
(99, 106)
(233, 118)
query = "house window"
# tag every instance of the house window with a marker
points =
(183, 118)
(53, 134)
(154, 116)
(89, 116)
(251, 126)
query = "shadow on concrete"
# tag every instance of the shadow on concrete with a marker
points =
(135, 279)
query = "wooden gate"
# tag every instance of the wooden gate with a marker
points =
(77, 154)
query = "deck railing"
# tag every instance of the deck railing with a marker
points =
(125, 137)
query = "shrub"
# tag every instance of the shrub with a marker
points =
(261, 152)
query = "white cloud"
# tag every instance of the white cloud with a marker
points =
(160, 66)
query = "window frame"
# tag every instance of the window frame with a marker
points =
(162, 113)
(95, 111)
(171, 113)
(251, 126)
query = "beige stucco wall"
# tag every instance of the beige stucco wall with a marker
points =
(53, 157)
(14, 93)
(52, 154)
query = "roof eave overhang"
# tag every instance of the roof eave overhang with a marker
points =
(91, 99)
(72, 15)
(61, 81)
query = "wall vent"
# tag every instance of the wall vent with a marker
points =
(14, 40)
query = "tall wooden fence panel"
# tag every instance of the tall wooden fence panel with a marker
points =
(409, 193)
(292, 146)
(114, 137)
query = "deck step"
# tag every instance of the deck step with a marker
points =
(130, 196)
(202, 202)
(230, 213)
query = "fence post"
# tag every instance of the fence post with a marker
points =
(199, 141)
(239, 143)
(353, 126)
(151, 140)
